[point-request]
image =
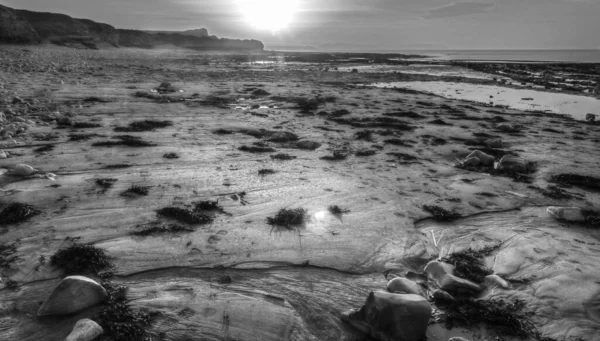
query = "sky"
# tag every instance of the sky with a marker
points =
(355, 24)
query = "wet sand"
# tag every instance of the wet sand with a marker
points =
(284, 284)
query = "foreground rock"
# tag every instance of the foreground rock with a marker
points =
(441, 274)
(85, 330)
(401, 285)
(73, 294)
(512, 164)
(478, 157)
(392, 317)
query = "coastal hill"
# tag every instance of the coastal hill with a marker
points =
(29, 27)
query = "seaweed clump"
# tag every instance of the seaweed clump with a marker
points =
(17, 213)
(441, 214)
(81, 259)
(136, 190)
(257, 149)
(504, 317)
(156, 228)
(266, 171)
(288, 217)
(338, 155)
(468, 264)
(336, 210)
(146, 125)
(282, 156)
(576, 180)
(105, 183)
(171, 156)
(119, 321)
(124, 140)
(185, 216)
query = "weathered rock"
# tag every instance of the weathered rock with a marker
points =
(458, 338)
(85, 330)
(497, 280)
(15, 29)
(590, 117)
(3, 155)
(471, 162)
(512, 164)
(442, 295)
(403, 285)
(72, 294)
(457, 285)
(283, 136)
(308, 145)
(566, 213)
(397, 316)
(485, 159)
(494, 143)
(437, 270)
(507, 127)
(23, 170)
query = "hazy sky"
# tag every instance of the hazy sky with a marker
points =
(381, 24)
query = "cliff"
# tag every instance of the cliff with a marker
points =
(22, 26)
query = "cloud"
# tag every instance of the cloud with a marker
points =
(457, 9)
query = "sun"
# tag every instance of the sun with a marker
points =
(272, 15)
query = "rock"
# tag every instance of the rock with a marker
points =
(471, 162)
(85, 330)
(442, 295)
(356, 318)
(403, 285)
(485, 159)
(458, 338)
(590, 117)
(456, 285)
(17, 100)
(23, 170)
(3, 155)
(72, 294)
(497, 280)
(437, 270)
(494, 143)
(396, 316)
(566, 213)
(512, 164)
(308, 145)
(283, 136)
(507, 127)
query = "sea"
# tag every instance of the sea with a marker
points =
(570, 56)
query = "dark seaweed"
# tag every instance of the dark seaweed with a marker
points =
(257, 149)
(441, 214)
(81, 259)
(282, 156)
(146, 125)
(288, 217)
(578, 180)
(157, 228)
(171, 156)
(17, 213)
(185, 216)
(84, 125)
(117, 166)
(336, 210)
(137, 190)
(468, 264)
(266, 171)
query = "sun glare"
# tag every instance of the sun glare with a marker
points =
(272, 15)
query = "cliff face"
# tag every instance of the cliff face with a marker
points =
(21, 26)
(15, 29)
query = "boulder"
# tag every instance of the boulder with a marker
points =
(437, 270)
(403, 285)
(73, 294)
(484, 159)
(590, 117)
(507, 127)
(308, 145)
(471, 162)
(512, 164)
(498, 281)
(441, 295)
(283, 136)
(3, 155)
(23, 170)
(85, 330)
(456, 285)
(566, 213)
(397, 316)
(458, 338)
(494, 143)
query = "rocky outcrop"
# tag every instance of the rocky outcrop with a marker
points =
(15, 29)
(22, 26)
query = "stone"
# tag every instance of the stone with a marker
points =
(23, 170)
(590, 117)
(456, 285)
(283, 136)
(494, 143)
(507, 127)
(471, 162)
(403, 285)
(458, 338)
(85, 330)
(497, 280)
(437, 270)
(73, 294)
(3, 154)
(485, 159)
(442, 295)
(397, 316)
(512, 164)
(308, 145)
(17, 100)
(566, 213)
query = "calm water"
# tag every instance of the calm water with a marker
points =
(576, 56)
